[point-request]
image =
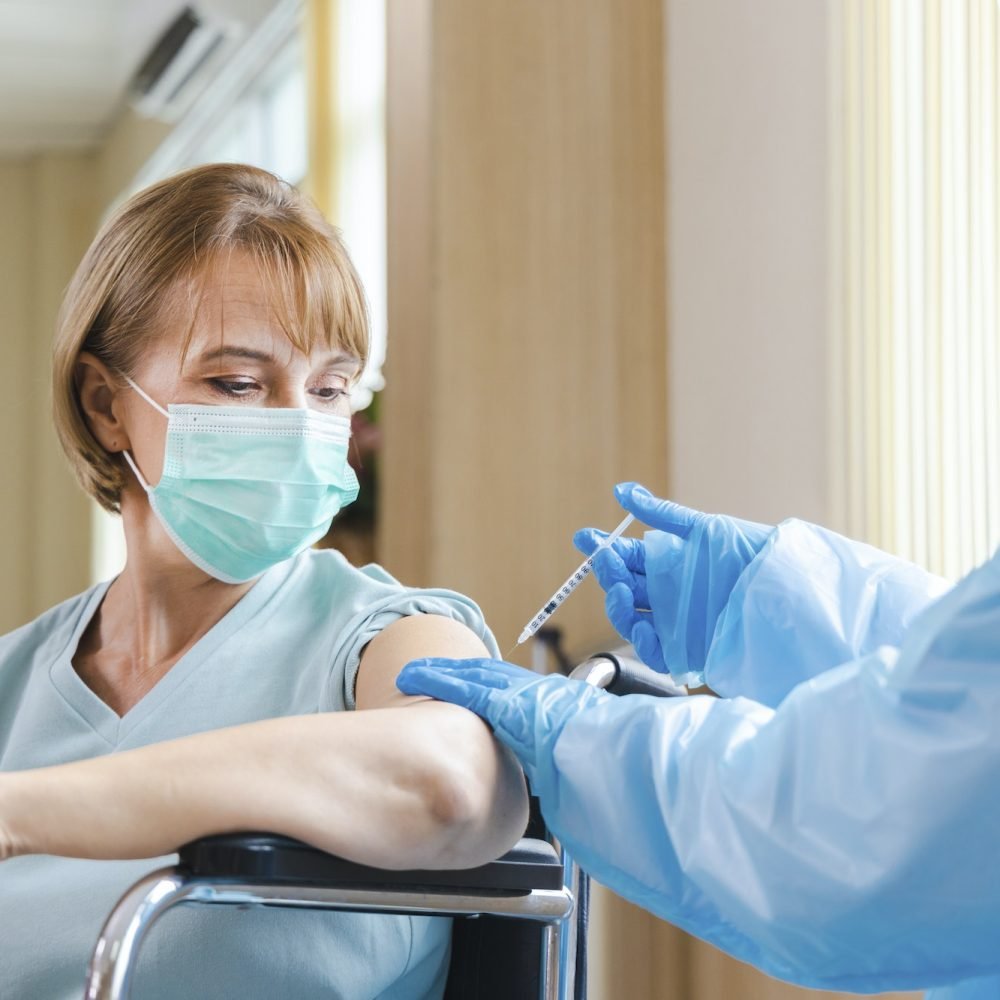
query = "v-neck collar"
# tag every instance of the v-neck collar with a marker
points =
(100, 716)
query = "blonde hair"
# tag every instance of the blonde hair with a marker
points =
(147, 262)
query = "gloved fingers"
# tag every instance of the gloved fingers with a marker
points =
(485, 662)
(647, 646)
(484, 672)
(665, 515)
(587, 539)
(417, 680)
(629, 550)
(609, 568)
(619, 605)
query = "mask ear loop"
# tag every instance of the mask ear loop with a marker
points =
(156, 406)
(149, 399)
(138, 474)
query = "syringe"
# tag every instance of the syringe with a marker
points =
(571, 584)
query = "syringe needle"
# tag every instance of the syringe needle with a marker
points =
(572, 582)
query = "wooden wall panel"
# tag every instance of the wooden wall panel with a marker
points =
(47, 218)
(526, 366)
(16, 404)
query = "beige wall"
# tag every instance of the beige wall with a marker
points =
(46, 221)
(748, 137)
(50, 207)
(748, 235)
(526, 312)
(16, 269)
(126, 148)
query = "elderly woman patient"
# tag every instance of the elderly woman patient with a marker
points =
(231, 678)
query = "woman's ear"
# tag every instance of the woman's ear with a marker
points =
(97, 388)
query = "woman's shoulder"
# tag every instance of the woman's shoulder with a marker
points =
(52, 627)
(328, 571)
(356, 603)
(326, 578)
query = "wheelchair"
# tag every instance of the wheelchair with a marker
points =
(520, 927)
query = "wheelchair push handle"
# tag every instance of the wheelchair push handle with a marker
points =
(623, 675)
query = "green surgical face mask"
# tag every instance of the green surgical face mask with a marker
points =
(244, 488)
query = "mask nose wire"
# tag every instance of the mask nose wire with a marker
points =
(156, 406)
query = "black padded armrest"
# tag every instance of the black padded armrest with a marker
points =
(619, 674)
(634, 677)
(264, 857)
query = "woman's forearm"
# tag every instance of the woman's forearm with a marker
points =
(421, 786)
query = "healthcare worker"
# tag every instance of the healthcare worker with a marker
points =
(834, 818)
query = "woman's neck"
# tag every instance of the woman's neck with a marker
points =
(151, 615)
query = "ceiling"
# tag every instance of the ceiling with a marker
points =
(65, 64)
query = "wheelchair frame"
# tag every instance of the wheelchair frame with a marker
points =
(418, 893)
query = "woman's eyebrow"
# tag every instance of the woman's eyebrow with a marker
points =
(247, 353)
(342, 358)
(250, 354)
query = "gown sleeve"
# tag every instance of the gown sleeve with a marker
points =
(809, 601)
(844, 839)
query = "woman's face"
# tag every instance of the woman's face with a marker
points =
(237, 356)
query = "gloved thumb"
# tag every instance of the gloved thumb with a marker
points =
(663, 515)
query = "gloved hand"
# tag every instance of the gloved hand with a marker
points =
(665, 593)
(527, 711)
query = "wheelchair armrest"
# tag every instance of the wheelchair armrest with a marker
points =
(264, 857)
(620, 674)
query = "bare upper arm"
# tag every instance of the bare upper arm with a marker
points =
(407, 639)
(489, 775)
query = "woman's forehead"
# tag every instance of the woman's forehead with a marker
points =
(235, 286)
(236, 301)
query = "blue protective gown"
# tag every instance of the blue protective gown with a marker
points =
(834, 819)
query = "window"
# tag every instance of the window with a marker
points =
(917, 330)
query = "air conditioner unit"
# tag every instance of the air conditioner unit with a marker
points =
(182, 62)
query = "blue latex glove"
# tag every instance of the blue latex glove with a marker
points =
(665, 593)
(527, 711)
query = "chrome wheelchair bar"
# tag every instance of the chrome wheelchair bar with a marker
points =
(551, 959)
(125, 929)
(568, 932)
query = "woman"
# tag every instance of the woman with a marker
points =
(205, 354)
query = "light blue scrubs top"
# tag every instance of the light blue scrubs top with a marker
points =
(291, 646)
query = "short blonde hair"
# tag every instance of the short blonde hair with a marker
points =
(146, 264)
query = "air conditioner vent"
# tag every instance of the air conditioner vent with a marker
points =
(180, 64)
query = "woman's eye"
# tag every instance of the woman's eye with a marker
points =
(234, 387)
(329, 393)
